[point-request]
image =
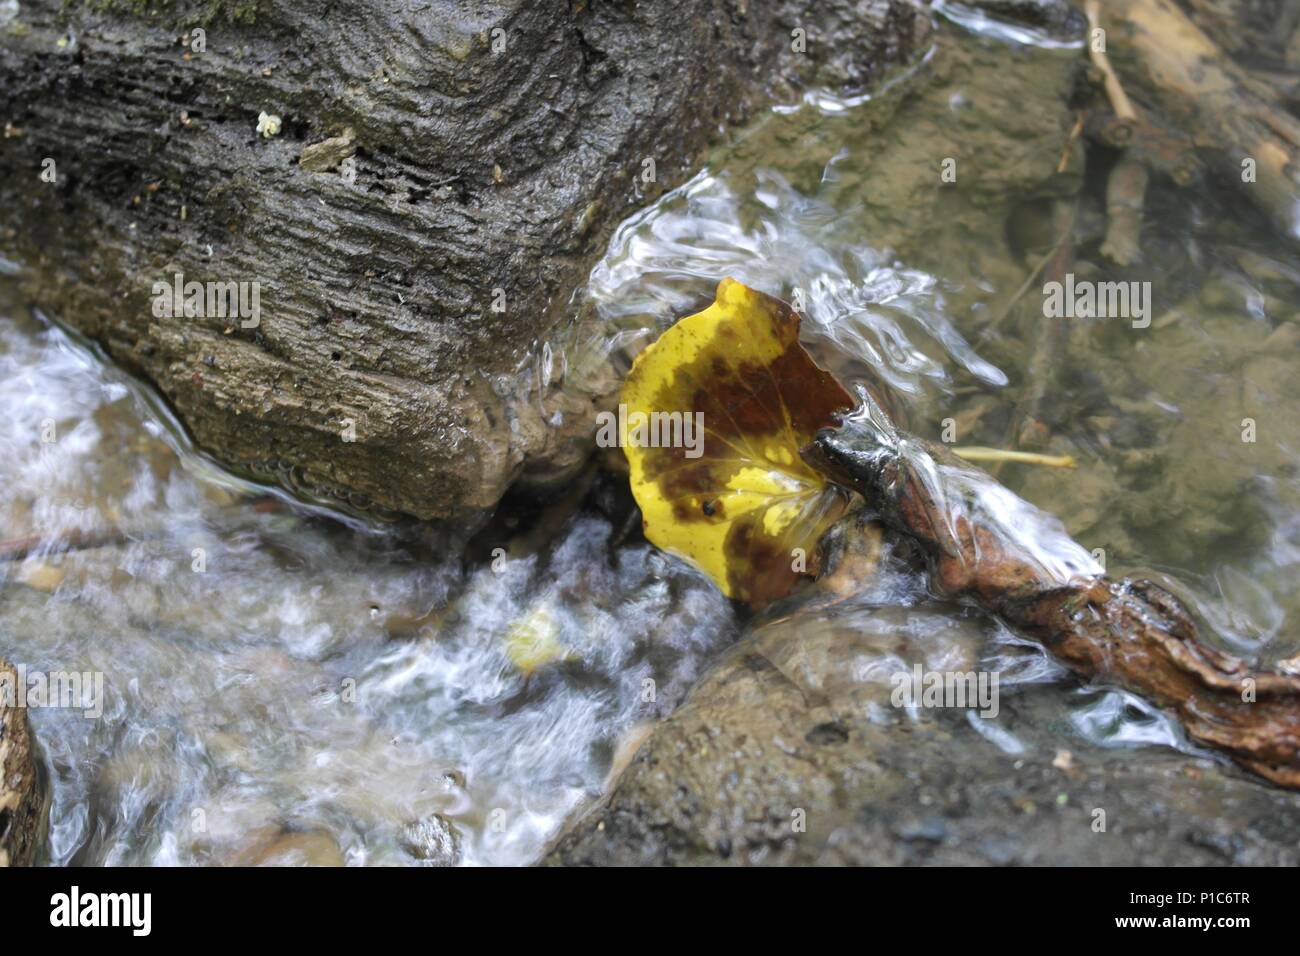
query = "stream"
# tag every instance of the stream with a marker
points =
(286, 684)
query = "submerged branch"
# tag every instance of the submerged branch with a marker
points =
(1126, 192)
(79, 539)
(988, 546)
(1240, 123)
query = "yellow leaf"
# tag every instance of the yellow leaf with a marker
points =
(735, 499)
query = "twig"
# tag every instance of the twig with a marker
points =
(980, 453)
(1239, 124)
(1028, 428)
(1070, 140)
(1018, 294)
(1119, 100)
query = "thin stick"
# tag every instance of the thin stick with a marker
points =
(1064, 164)
(981, 453)
(1019, 293)
(1119, 100)
(1050, 341)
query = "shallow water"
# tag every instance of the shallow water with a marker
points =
(834, 204)
(282, 684)
(279, 687)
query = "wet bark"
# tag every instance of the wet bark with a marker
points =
(443, 176)
(23, 798)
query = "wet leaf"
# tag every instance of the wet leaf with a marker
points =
(733, 498)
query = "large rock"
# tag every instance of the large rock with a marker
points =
(403, 289)
(790, 752)
(23, 803)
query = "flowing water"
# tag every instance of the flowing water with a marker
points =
(285, 684)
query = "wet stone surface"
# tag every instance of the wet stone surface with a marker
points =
(756, 769)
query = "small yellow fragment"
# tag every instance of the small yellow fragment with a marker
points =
(532, 641)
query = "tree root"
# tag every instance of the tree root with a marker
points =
(989, 547)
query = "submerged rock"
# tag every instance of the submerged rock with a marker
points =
(789, 752)
(23, 797)
(432, 840)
